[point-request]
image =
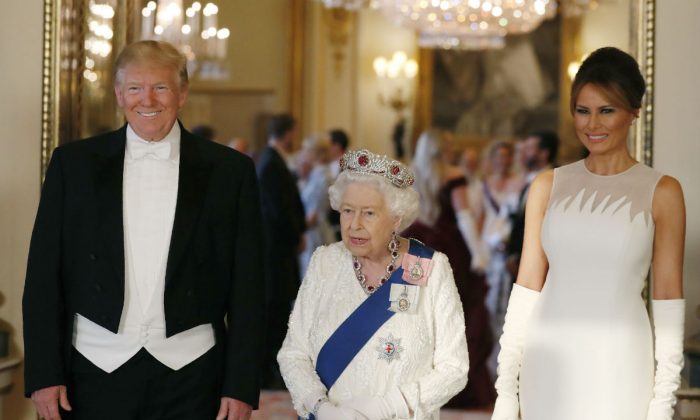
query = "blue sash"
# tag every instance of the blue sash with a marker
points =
(352, 335)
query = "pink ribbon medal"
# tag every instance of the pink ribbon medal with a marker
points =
(416, 270)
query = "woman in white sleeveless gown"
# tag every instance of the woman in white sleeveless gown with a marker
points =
(577, 343)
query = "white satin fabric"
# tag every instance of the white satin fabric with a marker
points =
(588, 351)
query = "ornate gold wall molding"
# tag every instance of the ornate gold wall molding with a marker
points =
(296, 65)
(340, 23)
(63, 56)
(570, 51)
(423, 105)
(48, 86)
(642, 37)
(68, 109)
(63, 61)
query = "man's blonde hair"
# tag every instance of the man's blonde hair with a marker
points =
(151, 52)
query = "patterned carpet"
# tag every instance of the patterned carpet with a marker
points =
(276, 405)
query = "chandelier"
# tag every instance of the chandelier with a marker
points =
(349, 4)
(468, 24)
(193, 31)
(98, 40)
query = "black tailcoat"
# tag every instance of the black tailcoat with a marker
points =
(214, 269)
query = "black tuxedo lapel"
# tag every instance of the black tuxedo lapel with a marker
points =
(191, 190)
(109, 181)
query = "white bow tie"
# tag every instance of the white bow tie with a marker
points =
(159, 150)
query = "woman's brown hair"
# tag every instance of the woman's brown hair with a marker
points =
(616, 72)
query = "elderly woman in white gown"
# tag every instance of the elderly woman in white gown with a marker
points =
(377, 331)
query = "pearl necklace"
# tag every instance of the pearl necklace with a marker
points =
(357, 266)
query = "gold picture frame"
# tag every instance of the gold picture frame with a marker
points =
(64, 102)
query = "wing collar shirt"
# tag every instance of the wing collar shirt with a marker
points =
(151, 172)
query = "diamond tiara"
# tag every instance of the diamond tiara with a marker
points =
(365, 162)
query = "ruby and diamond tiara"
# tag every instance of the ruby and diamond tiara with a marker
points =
(365, 162)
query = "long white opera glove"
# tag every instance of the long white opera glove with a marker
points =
(522, 301)
(390, 406)
(477, 248)
(669, 316)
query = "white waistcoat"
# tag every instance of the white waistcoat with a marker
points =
(151, 171)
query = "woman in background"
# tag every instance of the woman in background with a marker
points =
(500, 199)
(314, 179)
(446, 223)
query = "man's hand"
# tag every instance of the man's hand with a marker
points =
(231, 409)
(46, 401)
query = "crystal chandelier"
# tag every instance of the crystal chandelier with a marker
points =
(468, 24)
(193, 30)
(349, 4)
(98, 40)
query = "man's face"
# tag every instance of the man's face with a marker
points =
(502, 160)
(336, 151)
(287, 142)
(150, 96)
(530, 151)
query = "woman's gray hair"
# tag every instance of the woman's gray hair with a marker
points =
(401, 202)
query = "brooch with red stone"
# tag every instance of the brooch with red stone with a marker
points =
(366, 162)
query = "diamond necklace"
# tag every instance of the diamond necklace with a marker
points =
(357, 266)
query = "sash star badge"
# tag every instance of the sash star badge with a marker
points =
(389, 348)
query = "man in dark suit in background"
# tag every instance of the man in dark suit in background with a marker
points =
(146, 240)
(539, 153)
(339, 145)
(284, 226)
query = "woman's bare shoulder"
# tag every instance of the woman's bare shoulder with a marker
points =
(668, 196)
(543, 181)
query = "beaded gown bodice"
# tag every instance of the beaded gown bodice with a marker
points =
(430, 361)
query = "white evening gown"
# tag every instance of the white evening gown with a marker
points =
(431, 360)
(589, 353)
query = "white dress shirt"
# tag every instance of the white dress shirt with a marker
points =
(151, 171)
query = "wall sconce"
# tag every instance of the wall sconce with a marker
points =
(573, 66)
(572, 69)
(396, 77)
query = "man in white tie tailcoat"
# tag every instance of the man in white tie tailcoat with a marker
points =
(144, 291)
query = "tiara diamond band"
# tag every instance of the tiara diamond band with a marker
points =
(365, 162)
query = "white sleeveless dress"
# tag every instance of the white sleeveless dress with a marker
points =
(589, 352)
